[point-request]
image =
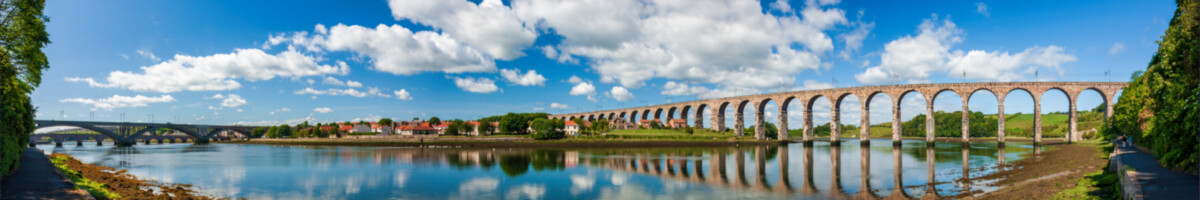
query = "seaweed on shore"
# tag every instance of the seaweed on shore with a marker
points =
(125, 185)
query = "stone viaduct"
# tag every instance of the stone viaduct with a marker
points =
(127, 134)
(895, 93)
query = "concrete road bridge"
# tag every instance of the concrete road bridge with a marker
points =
(128, 134)
(835, 96)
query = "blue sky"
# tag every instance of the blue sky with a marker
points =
(270, 62)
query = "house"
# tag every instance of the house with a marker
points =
(421, 129)
(385, 129)
(677, 123)
(345, 128)
(360, 128)
(441, 128)
(645, 123)
(572, 128)
(476, 131)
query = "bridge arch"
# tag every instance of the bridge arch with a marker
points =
(116, 137)
(698, 122)
(658, 114)
(671, 114)
(646, 114)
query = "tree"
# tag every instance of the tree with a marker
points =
(435, 121)
(486, 127)
(600, 126)
(273, 132)
(22, 36)
(581, 123)
(456, 127)
(258, 132)
(655, 125)
(1160, 108)
(547, 129)
(385, 122)
(285, 130)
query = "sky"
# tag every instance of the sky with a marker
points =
(273, 62)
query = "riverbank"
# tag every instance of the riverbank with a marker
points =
(109, 183)
(1046, 174)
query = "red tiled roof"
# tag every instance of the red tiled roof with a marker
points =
(346, 128)
(327, 128)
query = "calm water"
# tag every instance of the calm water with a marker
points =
(314, 172)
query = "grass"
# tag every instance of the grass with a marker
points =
(1100, 184)
(96, 189)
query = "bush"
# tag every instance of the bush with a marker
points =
(547, 129)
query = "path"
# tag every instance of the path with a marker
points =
(36, 179)
(1159, 182)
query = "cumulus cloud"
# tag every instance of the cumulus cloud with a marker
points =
(323, 110)
(673, 88)
(350, 83)
(583, 88)
(230, 101)
(332, 81)
(216, 72)
(558, 105)
(574, 80)
(393, 49)
(343, 92)
(815, 85)
(480, 85)
(620, 93)
(915, 58)
(489, 26)
(530, 78)
(118, 101)
(402, 94)
(722, 42)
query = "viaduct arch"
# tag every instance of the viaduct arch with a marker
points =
(895, 94)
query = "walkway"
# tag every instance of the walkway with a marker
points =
(36, 179)
(1159, 182)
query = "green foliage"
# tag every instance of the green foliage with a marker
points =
(824, 130)
(385, 121)
(458, 127)
(599, 126)
(1159, 109)
(273, 132)
(285, 130)
(950, 125)
(22, 36)
(435, 121)
(97, 189)
(258, 132)
(486, 127)
(547, 129)
(772, 131)
(516, 123)
(655, 125)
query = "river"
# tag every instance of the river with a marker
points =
(814, 171)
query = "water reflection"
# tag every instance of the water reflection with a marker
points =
(815, 171)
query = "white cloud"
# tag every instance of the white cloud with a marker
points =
(480, 85)
(620, 93)
(323, 110)
(394, 49)
(722, 42)
(1002, 66)
(402, 94)
(781, 6)
(530, 78)
(216, 72)
(982, 9)
(350, 83)
(230, 101)
(118, 101)
(489, 26)
(583, 88)
(147, 54)
(815, 85)
(854, 39)
(1117, 48)
(558, 105)
(371, 91)
(574, 80)
(333, 81)
(673, 88)
(915, 58)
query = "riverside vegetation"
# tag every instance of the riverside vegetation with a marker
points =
(1160, 110)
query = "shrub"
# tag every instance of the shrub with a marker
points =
(547, 129)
